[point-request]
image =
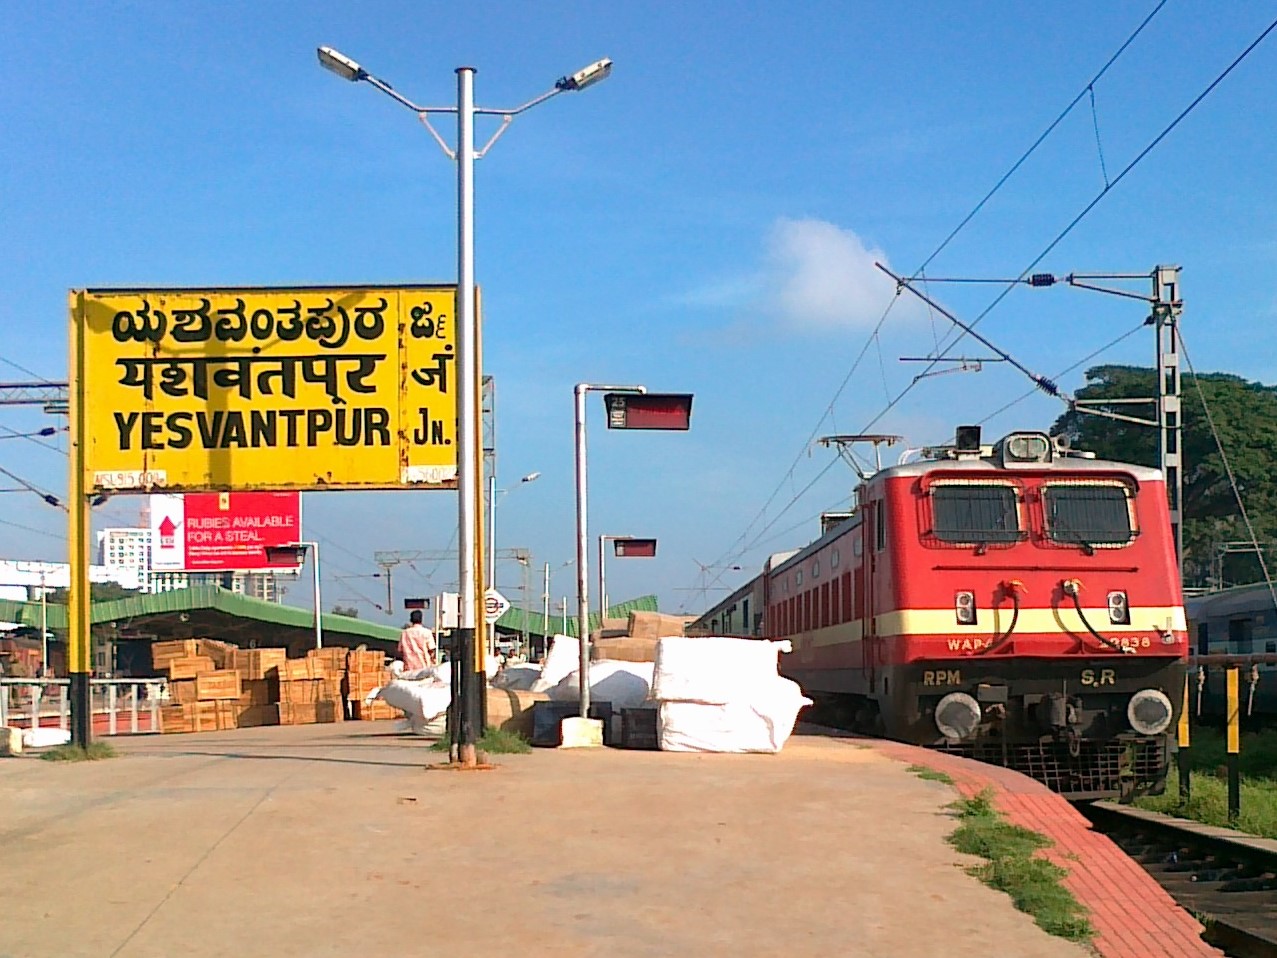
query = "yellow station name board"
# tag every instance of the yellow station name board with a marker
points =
(315, 388)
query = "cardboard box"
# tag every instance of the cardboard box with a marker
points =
(511, 710)
(292, 670)
(624, 650)
(308, 713)
(359, 685)
(256, 692)
(162, 653)
(252, 716)
(258, 663)
(365, 660)
(222, 653)
(654, 625)
(333, 659)
(189, 667)
(375, 711)
(194, 717)
(210, 686)
(300, 691)
(227, 714)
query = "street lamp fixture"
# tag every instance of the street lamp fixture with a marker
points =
(467, 365)
(587, 76)
(340, 64)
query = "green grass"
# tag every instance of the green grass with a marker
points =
(495, 741)
(930, 774)
(77, 753)
(1012, 866)
(1207, 762)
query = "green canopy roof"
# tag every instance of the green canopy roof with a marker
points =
(209, 611)
(513, 619)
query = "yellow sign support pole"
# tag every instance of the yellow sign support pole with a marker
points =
(1234, 745)
(1185, 779)
(79, 626)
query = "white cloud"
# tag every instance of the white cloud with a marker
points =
(818, 276)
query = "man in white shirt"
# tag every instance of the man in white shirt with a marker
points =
(417, 647)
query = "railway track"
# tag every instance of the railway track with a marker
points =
(1227, 879)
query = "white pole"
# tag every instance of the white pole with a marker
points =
(582, 559)
(492, 531)
(44, 629)
(602, 583)
(319, 628)
(545, 609)
(467, 393)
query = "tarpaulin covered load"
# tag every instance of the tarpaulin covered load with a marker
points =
(723, 695)
(622, 684)
(714, 670)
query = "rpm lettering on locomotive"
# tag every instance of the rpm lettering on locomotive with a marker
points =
(942, 677)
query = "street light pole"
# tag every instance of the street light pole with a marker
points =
(582, 536)
(319, 605)
(603, 576)
(468, 496)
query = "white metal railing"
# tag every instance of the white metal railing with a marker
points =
(35, 699)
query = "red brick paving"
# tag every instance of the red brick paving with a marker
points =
(1132, 915)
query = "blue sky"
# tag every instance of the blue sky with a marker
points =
(706, 220)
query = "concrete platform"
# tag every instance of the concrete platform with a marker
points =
(1132, 914)
(332, 840)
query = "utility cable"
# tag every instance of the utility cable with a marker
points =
(30, 438)
(48, 497)
(1228, 469)
(870, 340)
(39, 532)
(1079, 217)
(1089, 88)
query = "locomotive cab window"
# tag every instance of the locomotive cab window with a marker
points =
(1089, 514)
(975, 513)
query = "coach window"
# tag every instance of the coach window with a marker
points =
(1089, 514)
(979, 513)
(880, 523)
(1241, 635)
(834, 559)
(815, 570)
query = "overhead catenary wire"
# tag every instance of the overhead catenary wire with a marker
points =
(1166, 131)
(1228, 470)
(962, 224)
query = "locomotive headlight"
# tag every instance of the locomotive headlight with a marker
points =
(1149, 712)
(957, 716)
(964, 607)
(1119, 609)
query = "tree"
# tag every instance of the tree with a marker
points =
(347, 610)
(98, 592)
(1245, 417)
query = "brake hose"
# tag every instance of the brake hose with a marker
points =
(1077, 604)
(1015, 617)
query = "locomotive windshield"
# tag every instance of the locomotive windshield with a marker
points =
(1088, 515)
(975, 513)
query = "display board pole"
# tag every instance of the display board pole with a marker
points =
(79, 626)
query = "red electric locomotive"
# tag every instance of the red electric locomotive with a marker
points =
(1017, 603)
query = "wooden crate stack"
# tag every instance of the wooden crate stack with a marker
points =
(366, 671)
(214, 685)
(202, 690)
(308, 690)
